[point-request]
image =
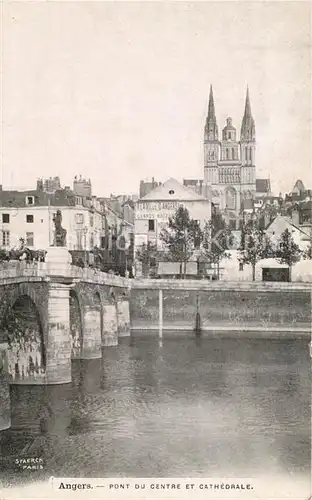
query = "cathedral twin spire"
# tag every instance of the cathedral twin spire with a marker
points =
(211, 127)
(248, 132)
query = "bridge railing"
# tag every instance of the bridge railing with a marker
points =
(19, 269)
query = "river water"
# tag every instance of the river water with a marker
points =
(187, 408)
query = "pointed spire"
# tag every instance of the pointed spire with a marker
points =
(248, 132)
(211, 128)
(211, 107)
(247, 113)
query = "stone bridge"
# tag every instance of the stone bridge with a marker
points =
(53, 312)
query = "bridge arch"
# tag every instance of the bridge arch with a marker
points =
(76, 327)
(23, 331)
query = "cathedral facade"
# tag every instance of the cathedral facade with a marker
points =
(229, 162)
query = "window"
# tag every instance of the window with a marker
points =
(6, 238)
(78, 200)
(233, 154)
(250, 154)
(171, 191)
(30, 200)
(79, 218)
(29, 218)
(227, 153)
(91, 220)
(151, 225)
(79, 240)
(5, 218)
(30, 239)
(230, 137)
(241, 266)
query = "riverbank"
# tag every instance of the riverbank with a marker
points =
(269, 309)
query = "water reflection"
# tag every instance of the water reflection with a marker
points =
(191, 407)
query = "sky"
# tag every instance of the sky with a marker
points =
(118, 91)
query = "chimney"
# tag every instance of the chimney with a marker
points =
(39, 185)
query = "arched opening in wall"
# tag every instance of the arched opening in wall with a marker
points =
(230, 198)
(112, 296)
(75, 325)
(26, 351)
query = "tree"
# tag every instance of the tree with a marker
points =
(288, 252)
(147, 254)
(217, 240)
(308, 253)
(181, 237)
(255, 246)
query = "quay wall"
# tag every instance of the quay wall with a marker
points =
(269, 307)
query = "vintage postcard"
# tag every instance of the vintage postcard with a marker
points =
(155, 250)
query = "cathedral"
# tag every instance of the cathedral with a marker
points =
(229, 164)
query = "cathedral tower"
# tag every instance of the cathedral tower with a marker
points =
(248, 135)
(229, 163)
(248, 145)
(229, 144)
(211, 143)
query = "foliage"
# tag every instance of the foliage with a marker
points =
(181, 237)
(288, 252)
(217, 239)
(146, 253)
(255, 246)
(308, 252)
(3, 254)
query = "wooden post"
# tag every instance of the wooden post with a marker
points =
(197, 328)
(160, 313)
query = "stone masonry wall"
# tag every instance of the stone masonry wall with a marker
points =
(226, 308)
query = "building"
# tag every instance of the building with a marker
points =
(196, 185)
(298, 192)
(299, 201)
(82, 187)
(49, 185)
(300, 236)
(229, 163)
(147, 186)
(89, 221)
(29, 215)
(263, 188)
(152, 212)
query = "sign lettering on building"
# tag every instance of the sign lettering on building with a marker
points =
(157, 205)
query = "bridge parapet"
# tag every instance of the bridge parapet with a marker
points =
(232, 286)
(42, 270)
